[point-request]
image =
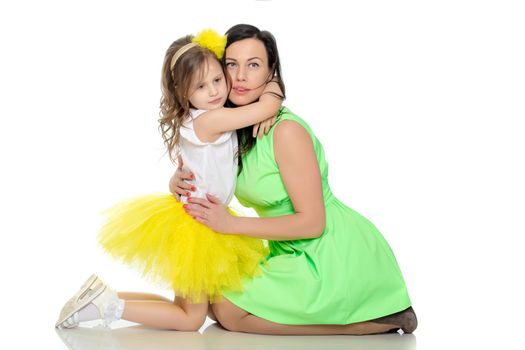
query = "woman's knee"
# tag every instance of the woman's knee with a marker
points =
(228, 315)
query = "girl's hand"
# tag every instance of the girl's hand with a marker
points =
(177, 184)
(263, 127)
(211, 213)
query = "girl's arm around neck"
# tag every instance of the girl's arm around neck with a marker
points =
(299, 169)
(214, 122)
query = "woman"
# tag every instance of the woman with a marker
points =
(329, 271)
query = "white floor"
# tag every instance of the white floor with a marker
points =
(29, 317)
(125, 336)
(30, 308)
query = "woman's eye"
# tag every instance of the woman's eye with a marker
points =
(253, 65)
(230, 65)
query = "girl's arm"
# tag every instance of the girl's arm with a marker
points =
(212, 123)
(295, 156)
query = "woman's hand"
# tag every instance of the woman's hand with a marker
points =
(177, 185)
(211, 213)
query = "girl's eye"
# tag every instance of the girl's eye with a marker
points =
(201, 87)
(218, 80)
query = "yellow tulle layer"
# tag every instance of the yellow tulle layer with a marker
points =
(154, 234)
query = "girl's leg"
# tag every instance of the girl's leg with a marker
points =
(179, 315)
(142, 296)
(236, 319)
(145, 308)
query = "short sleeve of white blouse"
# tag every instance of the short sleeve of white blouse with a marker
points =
(214, 164)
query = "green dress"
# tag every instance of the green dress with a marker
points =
(349, 274)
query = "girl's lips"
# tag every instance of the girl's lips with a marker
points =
(217, 100)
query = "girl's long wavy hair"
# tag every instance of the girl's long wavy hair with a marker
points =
(176, 84)
(246, 31)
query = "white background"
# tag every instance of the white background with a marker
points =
(419, 105)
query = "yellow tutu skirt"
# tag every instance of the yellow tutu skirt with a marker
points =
(154, 234)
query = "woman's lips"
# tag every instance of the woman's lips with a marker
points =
(240, 90)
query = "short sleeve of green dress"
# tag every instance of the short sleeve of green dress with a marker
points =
(349, 274)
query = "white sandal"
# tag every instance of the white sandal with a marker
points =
(91, 289)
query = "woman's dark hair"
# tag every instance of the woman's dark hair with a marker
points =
(246, 31)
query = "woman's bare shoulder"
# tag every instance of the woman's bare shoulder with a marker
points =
(289, 129)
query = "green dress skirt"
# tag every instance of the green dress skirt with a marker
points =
(349, 274)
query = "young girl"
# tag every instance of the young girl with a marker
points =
(153, 232)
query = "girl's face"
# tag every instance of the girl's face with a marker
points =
(247, 65)
(209, 89)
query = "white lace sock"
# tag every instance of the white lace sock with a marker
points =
(88, 313)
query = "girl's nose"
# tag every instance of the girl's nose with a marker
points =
(212, 91)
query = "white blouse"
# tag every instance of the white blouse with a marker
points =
(214, 164)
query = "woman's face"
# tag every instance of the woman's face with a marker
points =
(247, 65)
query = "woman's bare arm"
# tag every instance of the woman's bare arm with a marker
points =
(295, 156)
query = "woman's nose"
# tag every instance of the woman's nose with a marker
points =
(241, 74)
